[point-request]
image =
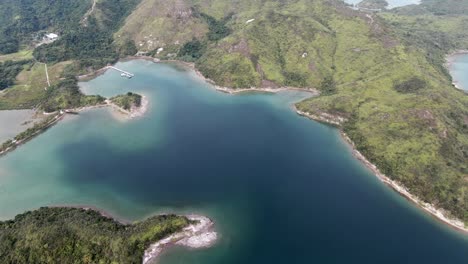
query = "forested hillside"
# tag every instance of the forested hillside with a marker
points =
(90, 43)
(85, 44)
(19, 19)
(70, 235)
(383, 73)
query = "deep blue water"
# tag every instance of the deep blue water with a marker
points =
(281, 188)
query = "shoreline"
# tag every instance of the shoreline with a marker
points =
(337, 122)
(17, 144)
(227, 90)
(200, 234)
(450, 60)
(235, 91)
(102, 212)
(196, 236)
(134, 112)
(329, 119)
(59, 115)
(437, 213)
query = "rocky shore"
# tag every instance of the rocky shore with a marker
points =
(135, 111)
(323, 117)
(200, 234)
(400, 188)
(438, 213)
(227, 90)
(450, 59)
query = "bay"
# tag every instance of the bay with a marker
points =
(281, 188)
(459, 70)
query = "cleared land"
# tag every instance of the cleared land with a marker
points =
(20, 55)
(30, 87)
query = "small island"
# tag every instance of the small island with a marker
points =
(68, 235)
(127, 101)
(132, 104)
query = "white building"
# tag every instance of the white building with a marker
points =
(51, 36)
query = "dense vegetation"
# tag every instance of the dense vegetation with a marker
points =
(85, 43)
(8, 72)
(383, 72)
(70, 235)
(19, 19)
(91, 44)
(127, 101)
(67, 95)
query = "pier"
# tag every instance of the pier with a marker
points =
(123, 73)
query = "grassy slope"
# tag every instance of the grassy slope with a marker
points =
(439, 28)
(83, 52)
(25, 54)
(29, 90)
(157, 23)
(419, 138)
(68, 235)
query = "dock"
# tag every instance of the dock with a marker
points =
(123, 73)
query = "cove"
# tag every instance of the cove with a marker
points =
(458, 67)
(281, 188)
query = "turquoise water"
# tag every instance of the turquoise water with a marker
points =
(459, 70)
(353, 2)
(400, 3)
(281, 188)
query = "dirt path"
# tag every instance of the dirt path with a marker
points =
(85, 17)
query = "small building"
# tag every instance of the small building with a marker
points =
(51, 37)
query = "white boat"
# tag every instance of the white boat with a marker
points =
(125, 75)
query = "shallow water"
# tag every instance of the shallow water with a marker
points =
(459, 70)
(15, 121)
(281, 188)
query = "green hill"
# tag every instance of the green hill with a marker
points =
(71, 235)
(21, 19)
(381, 72)
(401, 109)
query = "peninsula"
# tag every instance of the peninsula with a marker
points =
(379, 75)
(67, 235)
